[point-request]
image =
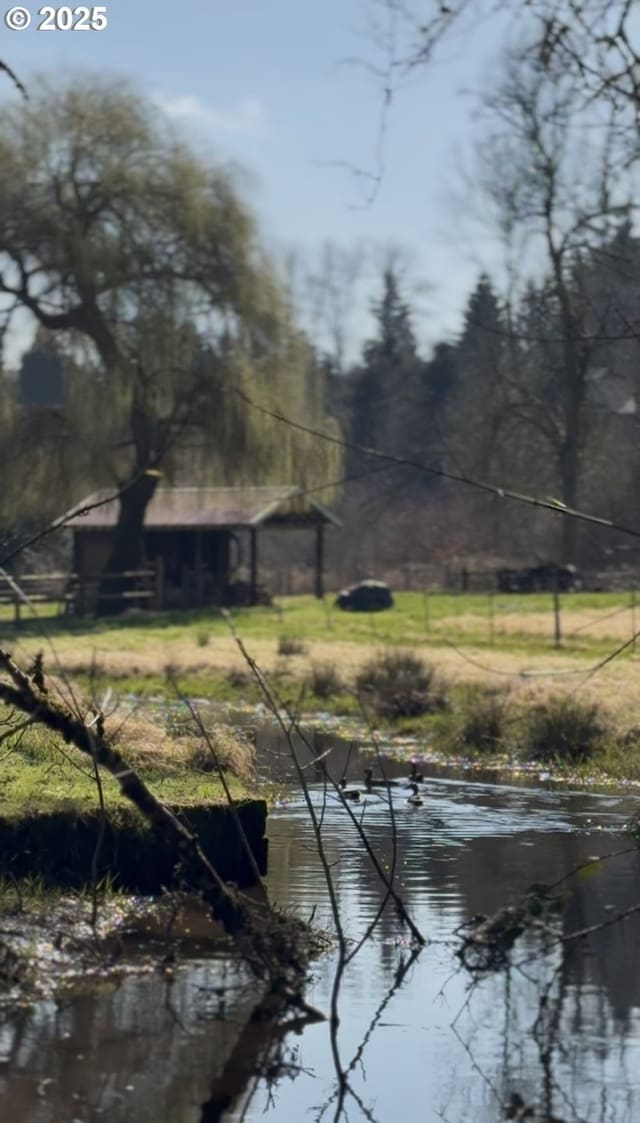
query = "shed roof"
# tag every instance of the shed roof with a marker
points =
(208, 508)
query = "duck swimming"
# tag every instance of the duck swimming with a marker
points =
(381, 783)
(414, 799)
(415, 777)
(348, 793)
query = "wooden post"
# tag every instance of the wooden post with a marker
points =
(425, 609)
(556, 612)
(253, 564)
(319, 582)
(492, 635)
(159, 583)
(633, 619)
(199, 565)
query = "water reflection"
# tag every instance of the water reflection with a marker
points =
(145, 1050)
(560, 1031)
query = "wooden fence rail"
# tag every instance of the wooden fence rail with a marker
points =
(76, 596)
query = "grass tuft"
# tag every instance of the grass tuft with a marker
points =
(399, 684)
(324, 681)
(289, 645)
(563, 729)
(483, 728)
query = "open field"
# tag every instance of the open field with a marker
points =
(500, 641)
(519, 620)
(478, 648)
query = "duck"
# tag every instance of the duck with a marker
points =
(414, 799)
(415, 777)
(348, 793)
(381, 783)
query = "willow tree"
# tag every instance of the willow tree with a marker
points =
(144, 257)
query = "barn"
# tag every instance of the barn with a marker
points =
(197, 540)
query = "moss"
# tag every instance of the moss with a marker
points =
(59, 846)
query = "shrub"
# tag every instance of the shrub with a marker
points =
(483, 725)
(563, 729)
(237, 679)
(288, 645)
(400, 684)
(224, 747)
(324, 681)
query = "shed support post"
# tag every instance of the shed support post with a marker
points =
(159, 584)
(319, 574)
(199, 567)
(253, 597)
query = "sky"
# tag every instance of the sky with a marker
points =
(284, 90)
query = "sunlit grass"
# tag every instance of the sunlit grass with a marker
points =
(514, 622)
(41, 774)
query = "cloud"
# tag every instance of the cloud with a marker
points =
(246, 118)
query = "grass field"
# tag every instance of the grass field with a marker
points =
(517, 620)
(503, 643)
(40, 773)
(467, 635)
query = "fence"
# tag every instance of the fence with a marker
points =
(562, 619)
(70, 594)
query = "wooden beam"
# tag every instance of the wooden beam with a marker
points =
(253, 533)
(199, 568)
(319, 574)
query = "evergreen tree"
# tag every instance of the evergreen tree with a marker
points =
(387, 387)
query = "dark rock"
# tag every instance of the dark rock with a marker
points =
(366, 596)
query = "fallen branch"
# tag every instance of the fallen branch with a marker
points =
(274, 946)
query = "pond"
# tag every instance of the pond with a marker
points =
(560, 1032)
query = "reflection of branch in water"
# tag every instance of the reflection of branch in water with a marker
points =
(258, 1054)
(253, 1050)
(474, 1064)
(545, 1031)
(401, 973)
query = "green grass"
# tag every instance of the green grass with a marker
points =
(414, 619)
(31, 787)
(40, 774)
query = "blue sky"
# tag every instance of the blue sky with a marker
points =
(264, 83)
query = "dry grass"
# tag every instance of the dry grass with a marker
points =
(532, 677)
(148, 744)
(593, 623)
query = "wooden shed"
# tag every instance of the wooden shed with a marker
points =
(196, 539)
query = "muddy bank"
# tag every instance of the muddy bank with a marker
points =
(70, 849)
(152, 983)
(52, 943)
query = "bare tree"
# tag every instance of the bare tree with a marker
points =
(595, 42)
(561, 186)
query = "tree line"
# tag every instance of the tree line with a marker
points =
(144, 275)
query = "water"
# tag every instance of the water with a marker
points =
(432, 1050)
(469, 849)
